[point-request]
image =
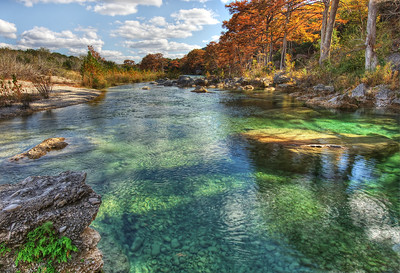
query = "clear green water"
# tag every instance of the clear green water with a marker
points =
(184, 191)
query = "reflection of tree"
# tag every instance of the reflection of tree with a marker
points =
(304, 198)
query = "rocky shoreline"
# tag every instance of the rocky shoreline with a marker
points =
(61, 96)
(319, 96)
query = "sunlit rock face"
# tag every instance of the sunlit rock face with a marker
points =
(50, 144)
(67, 202)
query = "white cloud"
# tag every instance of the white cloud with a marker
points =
(8, 29)
(196, 16)
(113, 9)
(104, 7)
(117, 56)
(214, 38)
(2, 45)
(74, 43)
(153, 36)
(186, 22)
(30, 3)
(169, 49)
(225, 1)
(201, 1)
(158, 21)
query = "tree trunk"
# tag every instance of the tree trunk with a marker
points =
(325, 16)
(371, 59)
(283, 52)
(271, 48)
(326, 45)
(284, 42)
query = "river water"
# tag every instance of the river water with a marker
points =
(185, 191)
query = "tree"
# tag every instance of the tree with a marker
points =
(153, 62)
(328, 24)
(371, 59)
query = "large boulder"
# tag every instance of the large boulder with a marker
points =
(67, 202)
(394, 59)
(360, 92)
(280, 78)
(185, 81)
(261, 82)
(201, 82)
(383, 96)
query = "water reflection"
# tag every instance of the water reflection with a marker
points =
(184, 190)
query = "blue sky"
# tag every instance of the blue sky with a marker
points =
(118, 29)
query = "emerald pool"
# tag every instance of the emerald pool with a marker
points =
(185, 190)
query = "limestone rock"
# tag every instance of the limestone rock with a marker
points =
(280, 78)
(248, 87)
(62, 200)
(308, 141)
(383, 96)
(42, 149)
(360, 92)
(324, 88)
(200, 89)
(394, 59)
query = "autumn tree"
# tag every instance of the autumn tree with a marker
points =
(328, 24)
(371, 57)
(193, 62)
(153, 62)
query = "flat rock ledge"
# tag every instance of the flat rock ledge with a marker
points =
(50, 144)
(67, 202)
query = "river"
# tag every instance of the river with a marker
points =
(184, 190)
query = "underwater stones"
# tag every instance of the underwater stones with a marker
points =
(167, 238)
(145, 88)
(50, 144)
(156, 249)
(137, 244)
(212, 249)
(175, 243)
(270, 247)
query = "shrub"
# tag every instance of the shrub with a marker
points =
(43, 85)
(45, 248)
(382, 75)
(11, 91)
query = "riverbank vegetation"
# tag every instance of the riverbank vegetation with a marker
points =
(318, 42)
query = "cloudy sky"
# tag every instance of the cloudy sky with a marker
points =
(118, 29)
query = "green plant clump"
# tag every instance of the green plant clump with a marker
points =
(44, 247)
(3, 249)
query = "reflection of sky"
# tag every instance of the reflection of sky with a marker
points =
(361, 173)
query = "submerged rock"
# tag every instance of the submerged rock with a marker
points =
(308, 141)
(200, 89)
(146, 88)
(62, 200)
(50, 144)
